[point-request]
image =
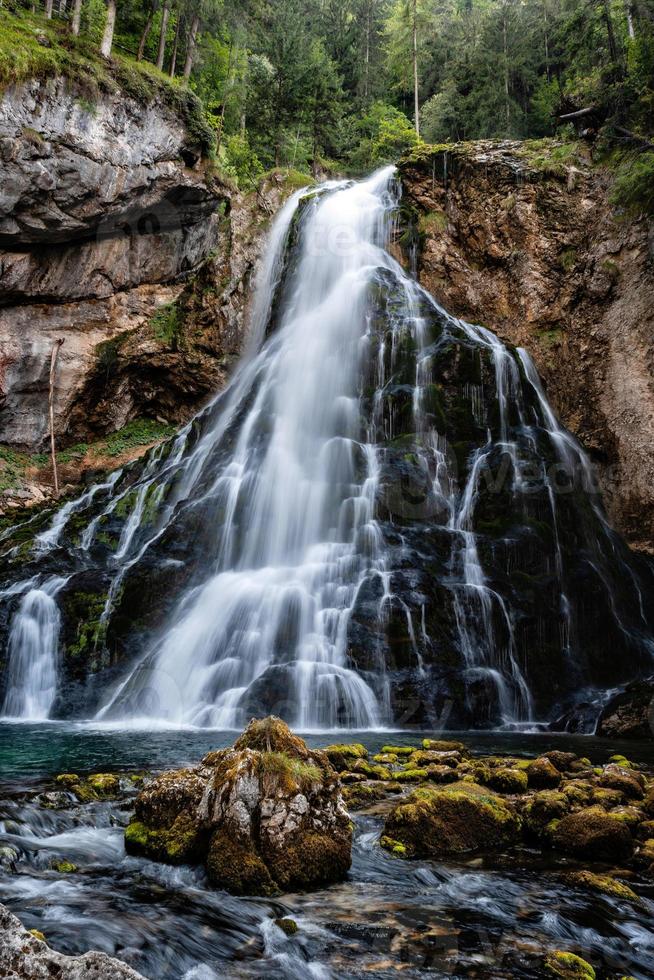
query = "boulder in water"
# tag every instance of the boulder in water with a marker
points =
(264, 816)
(453, 819)
(594, 834)
(25, 956)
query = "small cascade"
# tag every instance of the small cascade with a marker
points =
(33, 652)
(379, 521)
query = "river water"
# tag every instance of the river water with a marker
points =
(485, 918)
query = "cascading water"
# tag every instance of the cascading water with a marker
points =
(363, 529)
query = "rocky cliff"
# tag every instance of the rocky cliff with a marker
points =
(118, 238)
(522, 238)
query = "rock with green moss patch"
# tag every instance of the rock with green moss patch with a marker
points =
(541, 809)
(289, 926)
(508, 781)
(342, 756)
(64, 867)
(436, 821)
(543, 774)
(594, 834)
(444, 745)
(605, 884)
(265, 816)
(568, 966)
(631, 784)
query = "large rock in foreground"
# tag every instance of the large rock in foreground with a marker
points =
(264, 816)
(630, 714)
(24, 957)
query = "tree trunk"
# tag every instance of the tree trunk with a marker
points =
(416, 107)
(144, 36)
(165, 14)
(62, 8)
(110, 23)
(48, 9)
(173, 60)
(77, 18)
(53, 375)
(507, 105)
(366, 73)
(190, 47)
(547, 44)
(613, 48)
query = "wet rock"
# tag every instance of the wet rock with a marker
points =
(569, 966)
(455, 819)
(605, 884)
(25, 956)
(630, 714)
(543, 808)
(342, 756)
(507, 780)
(594, 834)
(264, 816)
(564, 761)
(629, 784)
(542, 774)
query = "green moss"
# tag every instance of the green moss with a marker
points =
(604, 884)
(568, 259)
(411, 776)
(83, 612)
(64, 867)
(180, 843)
(289, 926)
(394, 846)
(37, 934)
(568, 966)
(104, 784)
(353, 750)
(508, 780)
(398, 749)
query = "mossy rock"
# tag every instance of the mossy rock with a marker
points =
(436, 821)
(360, 795)
(394, 846)
(427, 757)
(64, 867)
(235, 866)
(543, 774)
(606, 798)
(271, 734)
(577, 792)
(568, 966)
(342, 756)
(105, 784)
(385, 758)
(181, 843)
(289, 926)
(605, 884)
(630, 784)
(411, 776)
(593, 834)
(371, 771)
(444, 745)
(398, 749)
(37, 935)
(509, 781)
(543, 808)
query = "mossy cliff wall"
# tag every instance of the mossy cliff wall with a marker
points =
(523, 238)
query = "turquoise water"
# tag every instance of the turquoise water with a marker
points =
(47, 749)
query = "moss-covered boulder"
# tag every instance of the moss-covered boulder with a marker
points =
(507, 780)
(630, 783)
(342, 756)
(436, 821)
(568, 966)
(264, 817)
(543, 774)
(541, 809)
(593, 834)
(604, 884)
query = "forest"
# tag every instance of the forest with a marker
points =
(343, 85)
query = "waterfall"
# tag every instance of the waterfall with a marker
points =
(33, 653)
(362, 529)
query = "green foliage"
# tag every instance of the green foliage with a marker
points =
(384, 134)
(166, 324)
(139, 432)
(633, 188)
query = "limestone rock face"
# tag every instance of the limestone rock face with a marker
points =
(532, 248)
(24, 957)
(265, 816)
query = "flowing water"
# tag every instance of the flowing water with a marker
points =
(486, 918)
(364, 527)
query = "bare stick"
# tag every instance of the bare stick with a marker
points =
(53, 371)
